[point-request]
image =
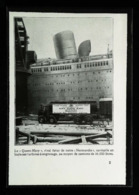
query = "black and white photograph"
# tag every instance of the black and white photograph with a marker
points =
(64, 80)
(67, 109)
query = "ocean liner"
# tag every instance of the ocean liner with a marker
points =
(73, 76)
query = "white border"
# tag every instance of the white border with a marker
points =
(75, 170)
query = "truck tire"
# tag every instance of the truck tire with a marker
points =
(88, 120)
(52, 120)
(77, 120)
(41, 120)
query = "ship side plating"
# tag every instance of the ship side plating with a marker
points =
(72, 76)
(77, 81)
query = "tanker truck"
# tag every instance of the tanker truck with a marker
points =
(78, 112)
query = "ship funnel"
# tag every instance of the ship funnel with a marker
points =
(84, 48)
(65, 46)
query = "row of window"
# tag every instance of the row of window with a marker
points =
(79, 89)
(77, 74)
(74, 98)
(96, 64)
(55, 83)
(72, 82)
(79, 98)
(85, 97)
(63, 75)
(79, 65)
(55, 68)
(104, 63)
(36, 70)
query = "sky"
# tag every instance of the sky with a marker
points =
(41, 31)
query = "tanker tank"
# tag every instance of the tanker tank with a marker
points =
(84, 48)
(65, 46)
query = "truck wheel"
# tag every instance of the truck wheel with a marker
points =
(88, 120)
(77, 120)
(101, 123)
(41, 120)
(52, 120)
